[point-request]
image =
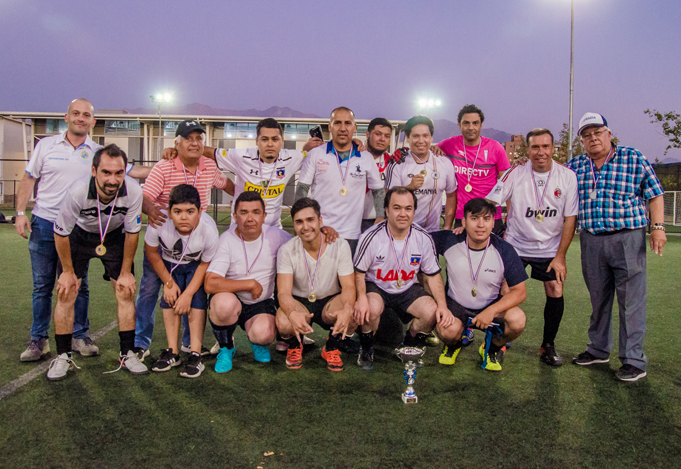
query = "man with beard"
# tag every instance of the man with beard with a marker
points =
(377, 143)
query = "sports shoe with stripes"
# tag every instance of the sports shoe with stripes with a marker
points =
(333, 359)
(194, 367)
(166, 361)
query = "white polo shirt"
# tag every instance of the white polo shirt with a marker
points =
(335, 261)
(252, 174)
(375, 257)
(321, 171)
(230, 260)
(440, 179)
(529, 237)
(203, 241)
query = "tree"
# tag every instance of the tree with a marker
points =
(671, 126)
(562, 145)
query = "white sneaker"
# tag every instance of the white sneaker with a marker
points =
(35, 350)
(85, 347)
(215, 349)
(60, 366)
(132, 363)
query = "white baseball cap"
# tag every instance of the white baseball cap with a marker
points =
(591, 119)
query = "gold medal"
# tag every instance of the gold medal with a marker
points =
(100, 250)
(468, 188)
(423, 172)
(344, 192)
(400, 282)
(539, 217)
(311, 297)
(474, 292)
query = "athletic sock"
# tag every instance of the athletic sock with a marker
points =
(332, 343)
(366, 339)
(127, 339)
(63, 343)
(410, 340)
(293, 342)
(494, 348)
(553, 313)
(224, 335)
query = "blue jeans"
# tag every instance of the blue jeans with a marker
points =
(147, 298)
(44, 260)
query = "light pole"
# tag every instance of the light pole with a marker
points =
(572, 75)
(429, 104)
(160, 98)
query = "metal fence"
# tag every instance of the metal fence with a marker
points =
(8, 193)
(669, 176)
(672, 208)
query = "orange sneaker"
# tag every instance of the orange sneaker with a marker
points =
(333, 359)
(294, 358)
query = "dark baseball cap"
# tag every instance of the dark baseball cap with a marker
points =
(184, 128)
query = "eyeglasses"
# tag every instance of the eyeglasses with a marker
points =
(595, 133)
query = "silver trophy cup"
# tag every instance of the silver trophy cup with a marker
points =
(412, 356)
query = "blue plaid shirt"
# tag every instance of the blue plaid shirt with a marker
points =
(624, 184)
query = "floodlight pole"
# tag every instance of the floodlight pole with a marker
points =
(572, 75)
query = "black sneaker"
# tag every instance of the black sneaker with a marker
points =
(549, 355)
(166, 361)
(194, 367)
(366, 358)
(349, 346)
(141, 353)
(630, 373)
(586, 358)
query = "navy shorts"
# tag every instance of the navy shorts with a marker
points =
(463, 314)
(399, 302)
(539, 266)
(267, 306)
(316, 309)
(182, 276)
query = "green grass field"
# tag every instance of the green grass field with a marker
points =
(529, 415)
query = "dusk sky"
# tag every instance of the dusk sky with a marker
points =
(510, 57)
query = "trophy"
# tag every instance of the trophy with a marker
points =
(410, 354)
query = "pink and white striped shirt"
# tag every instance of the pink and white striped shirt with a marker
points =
(167, 174)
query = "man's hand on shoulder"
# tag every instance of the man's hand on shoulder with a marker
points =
(169, 153)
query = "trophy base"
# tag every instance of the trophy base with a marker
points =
(409, 398)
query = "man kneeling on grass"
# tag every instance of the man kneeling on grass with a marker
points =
(188, 240)
(479, 263)
(316, 282)
(241, 279)
(99, 218)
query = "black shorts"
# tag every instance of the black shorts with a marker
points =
(539, 266)
(499, 226)
(182, 276)
(464, 313)
(316, 309)
(83, 246)
(399, 302)
(353, 245)
(262, 307)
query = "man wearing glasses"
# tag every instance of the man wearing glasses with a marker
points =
(614, 184)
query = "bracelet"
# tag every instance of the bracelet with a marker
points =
(18, 214)
(169, 283)
(659, 226)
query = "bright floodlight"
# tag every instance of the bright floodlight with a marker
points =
(438, 103)
(423, 102)
(167, 97)
(159, 97)
(431, 103)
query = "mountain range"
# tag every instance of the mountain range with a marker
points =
(443, 127)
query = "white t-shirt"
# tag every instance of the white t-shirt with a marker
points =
(430, 194)
(203, 242)
(58, 165)
(253, 176)
(375, 258)
(321, 171)
(500, 263)
(528, 236)
(230, 262)
(335, 261)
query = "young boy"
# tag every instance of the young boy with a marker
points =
(189, 240)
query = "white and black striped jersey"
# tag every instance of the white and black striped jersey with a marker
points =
(383, 266)
(79, 207)
(203, 243)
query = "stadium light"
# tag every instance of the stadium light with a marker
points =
(572, 74)
(160, 98)
(429, 104)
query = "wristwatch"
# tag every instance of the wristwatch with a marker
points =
(18, 214)
(658, 226)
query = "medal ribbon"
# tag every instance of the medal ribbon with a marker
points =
(313, 280)
(102, 235)
(465, 157)
(343, 178)
(474, 277)
(274, 170)
(184, 251)
(593, 169)
(404, 252)
(432, 199)
(546, 186)
(243, 244)
(196, 175)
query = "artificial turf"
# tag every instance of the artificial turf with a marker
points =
(529, 415)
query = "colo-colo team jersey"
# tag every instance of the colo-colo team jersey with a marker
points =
(230, 260)
(335, 261)
(529, 237)
(369, 211)
(321, 170)
(500, 263)
(376, 259)
(58, 165)
(80, 207)
(268, 179)
(203, 241)
(440, 179)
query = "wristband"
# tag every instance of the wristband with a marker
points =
(18, 214)
(658, 226)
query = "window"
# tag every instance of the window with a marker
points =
(121, 127)
(55, 126)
